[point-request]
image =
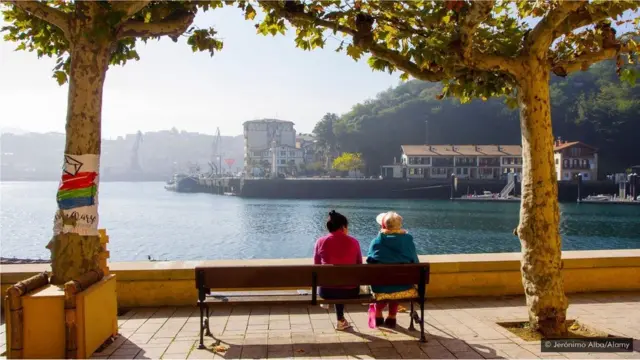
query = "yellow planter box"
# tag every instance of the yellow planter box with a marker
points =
(43, 327)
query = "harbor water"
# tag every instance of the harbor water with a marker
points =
(144, 220)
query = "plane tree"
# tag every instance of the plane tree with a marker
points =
(86, 37)
(480, 49)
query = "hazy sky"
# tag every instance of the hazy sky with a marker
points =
(252, 77)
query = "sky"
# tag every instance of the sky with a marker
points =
(253, 77)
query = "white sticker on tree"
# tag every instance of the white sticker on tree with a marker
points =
(78, 196)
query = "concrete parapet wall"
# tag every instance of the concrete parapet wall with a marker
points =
(172, 282)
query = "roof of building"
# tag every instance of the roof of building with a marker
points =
(268, 121)
(462, 150)
(565, 145)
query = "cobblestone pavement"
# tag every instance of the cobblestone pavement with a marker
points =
(463, 328)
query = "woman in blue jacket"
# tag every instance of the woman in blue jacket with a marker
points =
(393, 245)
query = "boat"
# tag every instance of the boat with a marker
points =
(182, 183)
(600, 197)
(488, 196)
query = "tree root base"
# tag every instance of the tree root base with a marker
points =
(575, 330)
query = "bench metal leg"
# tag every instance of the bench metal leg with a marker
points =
(206, 324)
(411, 327)
(201, 346)
(422, 337)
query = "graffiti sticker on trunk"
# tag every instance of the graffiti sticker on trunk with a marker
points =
(78, 196)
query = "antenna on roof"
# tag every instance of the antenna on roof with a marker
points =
(426, 132)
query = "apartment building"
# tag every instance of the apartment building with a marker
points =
(270, 143)
(465, 161)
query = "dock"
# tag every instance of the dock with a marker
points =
(609, 202)
(483, 199)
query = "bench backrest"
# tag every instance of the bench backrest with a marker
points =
(288, 276)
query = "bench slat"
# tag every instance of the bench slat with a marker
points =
(291, 276)
(259, 299)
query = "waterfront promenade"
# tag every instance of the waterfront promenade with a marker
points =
(462, 328)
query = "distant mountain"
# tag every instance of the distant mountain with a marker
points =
(36, 156)
(11, 130)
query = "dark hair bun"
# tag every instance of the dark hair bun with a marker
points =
(336, 221)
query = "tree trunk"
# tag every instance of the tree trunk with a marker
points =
(75, 245)
(539, 214)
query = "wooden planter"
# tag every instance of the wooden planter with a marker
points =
(46, 321)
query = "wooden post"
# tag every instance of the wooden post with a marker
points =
(71, 290)
(15, 326)
(104, 254)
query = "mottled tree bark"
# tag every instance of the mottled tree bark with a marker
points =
(539, 214)
(76, 244)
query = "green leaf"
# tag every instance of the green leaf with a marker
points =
(354, 51)
(404, 76)
(629, 76)
(60, 76)
(250, 12)
(446, 19)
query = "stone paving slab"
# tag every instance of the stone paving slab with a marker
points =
(457, 328)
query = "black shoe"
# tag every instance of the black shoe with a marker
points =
(416, 318)
(390, 323)
(379, 321)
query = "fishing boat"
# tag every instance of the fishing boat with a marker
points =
(182, 183)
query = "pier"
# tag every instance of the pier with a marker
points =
(221, 186)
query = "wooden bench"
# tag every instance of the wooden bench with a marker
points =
(240, 278)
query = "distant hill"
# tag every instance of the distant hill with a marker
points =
(37, 156)
(593, 107)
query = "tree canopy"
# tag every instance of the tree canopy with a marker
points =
(474, 47)
(49, 28)
(348, 162)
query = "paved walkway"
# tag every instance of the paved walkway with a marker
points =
(457, 328)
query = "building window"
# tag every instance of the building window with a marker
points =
(292, 153)
(557, 161)
(465, 171)
(283, 153)
(566, 163)
(283, 162)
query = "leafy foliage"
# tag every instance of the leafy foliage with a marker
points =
(120, 23)
(591, 106)
(327, 142)
(476, 48)
(348, 162)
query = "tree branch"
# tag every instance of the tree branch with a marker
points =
(44, 12)
(544, 33)
(368, 44)
(172, 26)
(594, 13)
(129, 8)
(478, 12)
(584, 61)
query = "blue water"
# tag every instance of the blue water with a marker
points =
(143, 220)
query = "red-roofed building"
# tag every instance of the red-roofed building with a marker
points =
(573, 158)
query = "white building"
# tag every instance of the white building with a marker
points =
(465, 161)
(271, 144)
(573, 158)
